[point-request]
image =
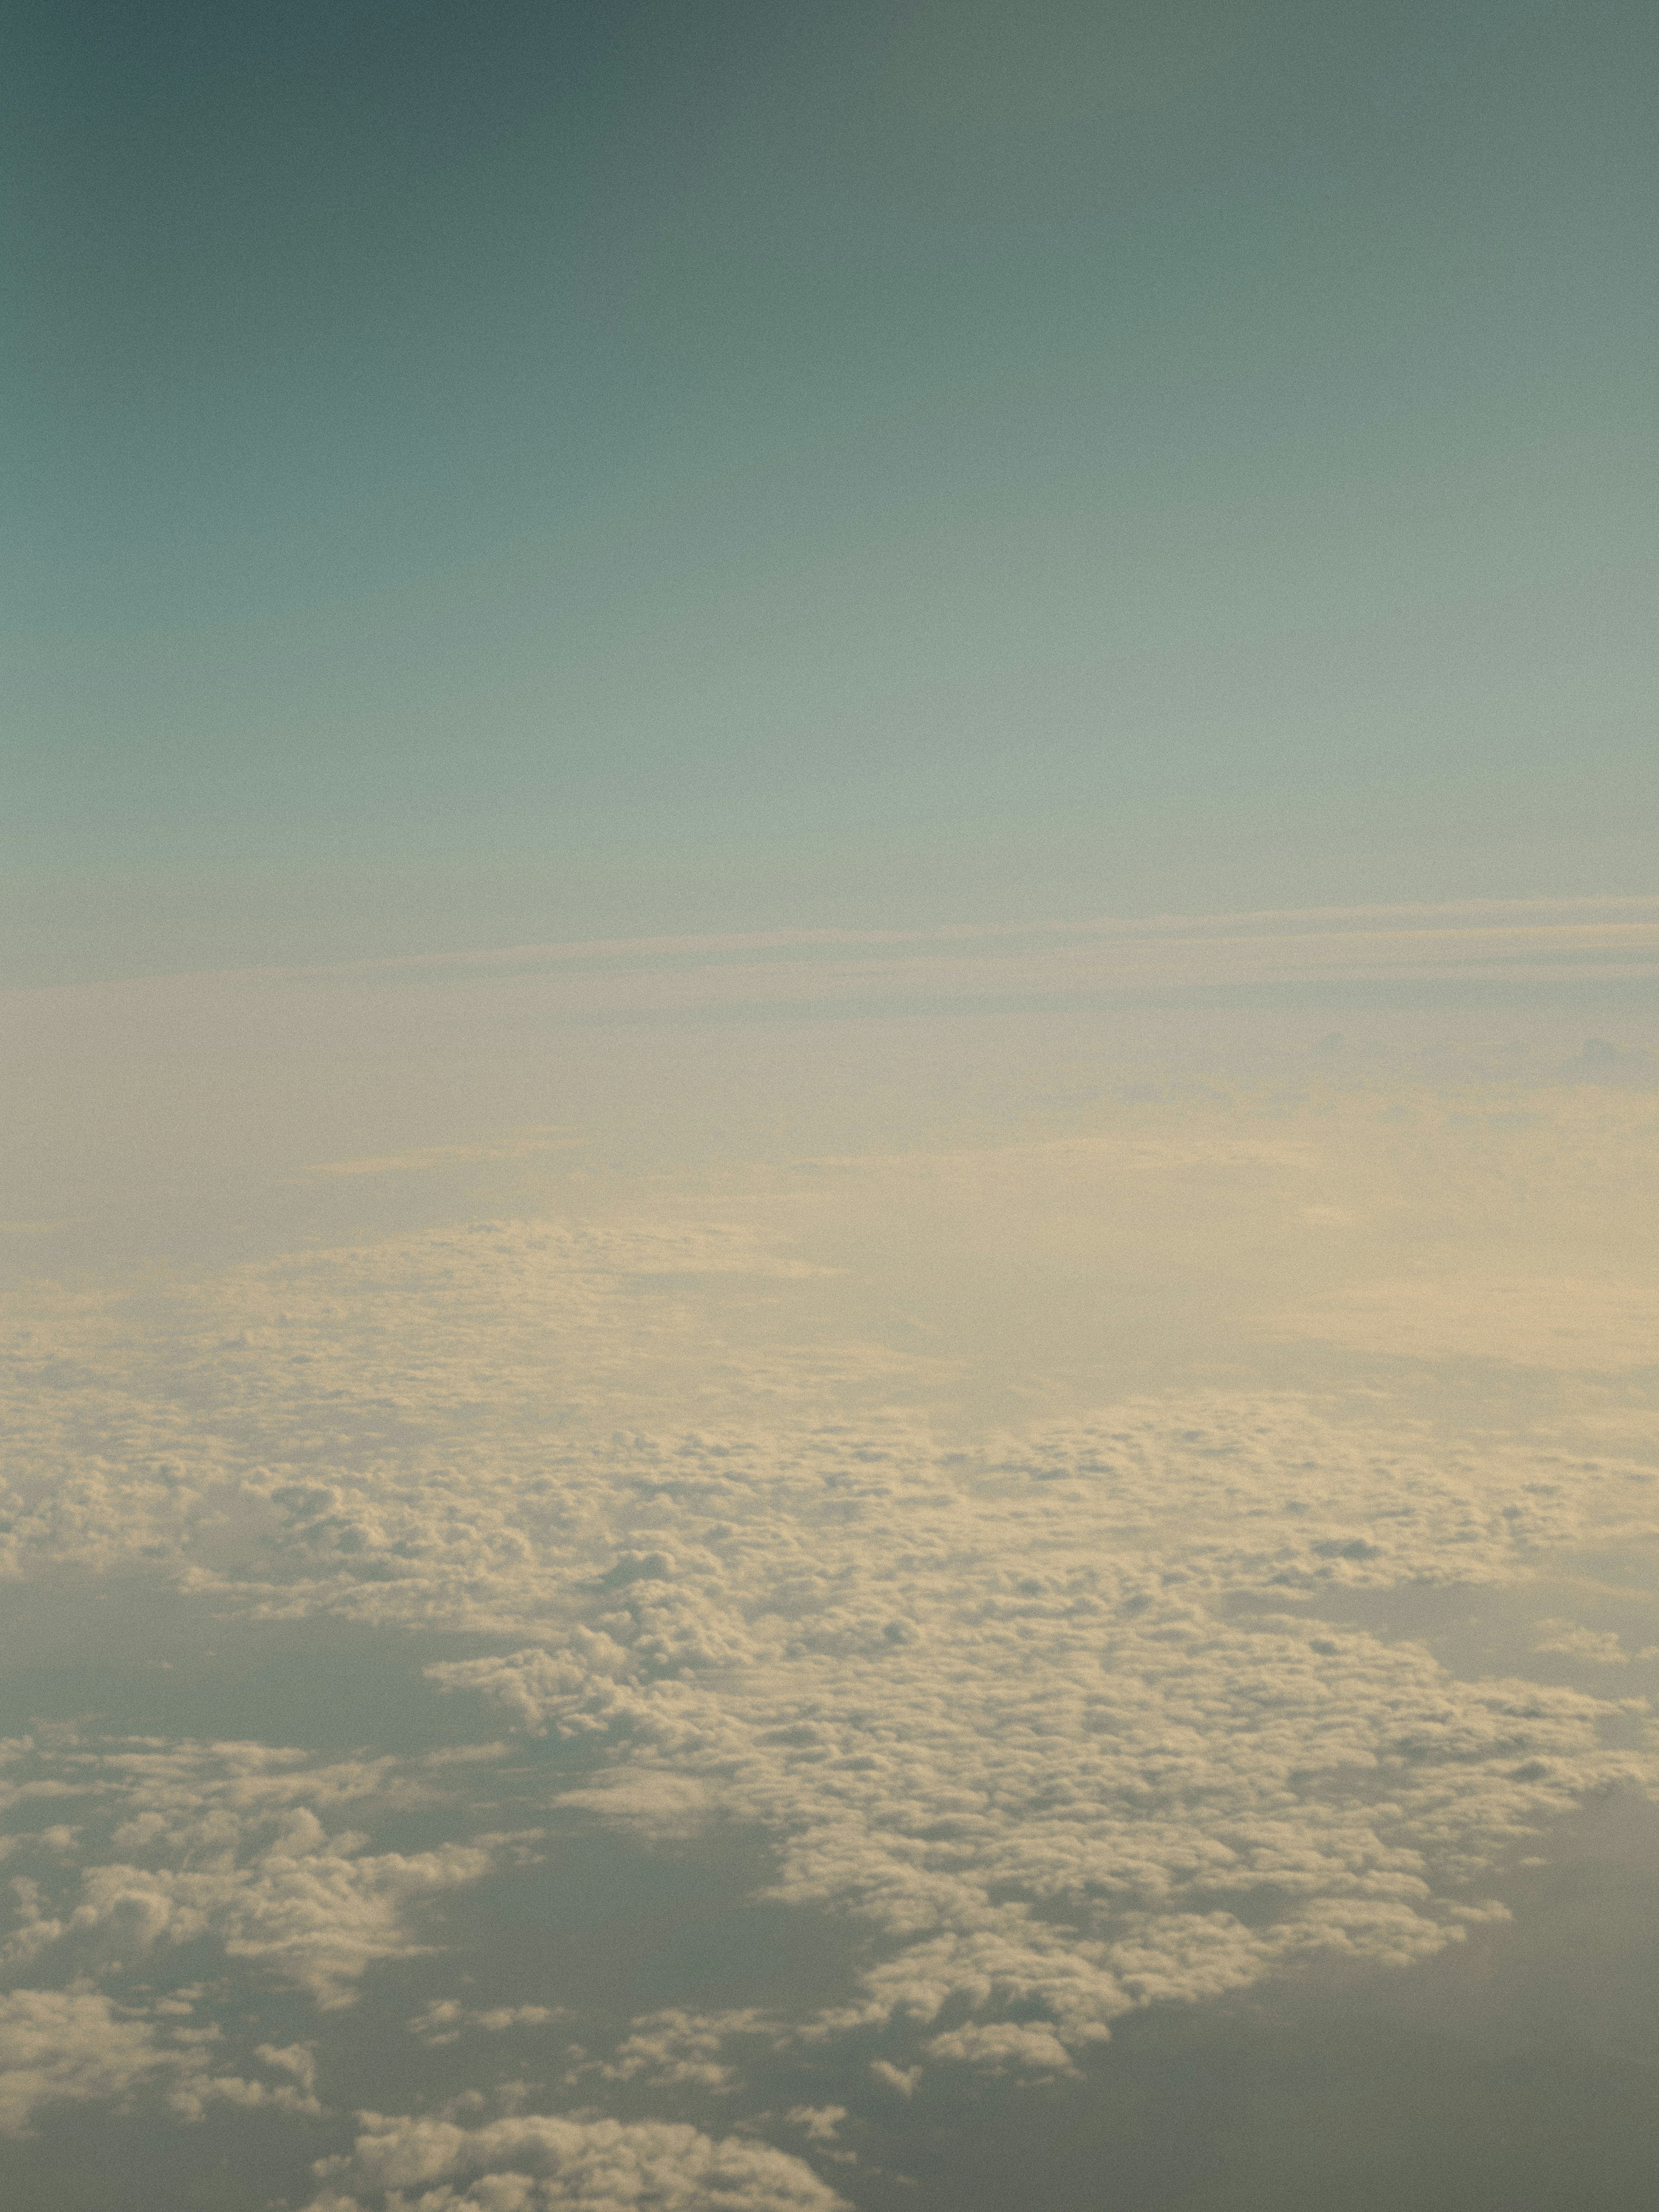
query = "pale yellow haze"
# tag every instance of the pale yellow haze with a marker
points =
(989, 1174)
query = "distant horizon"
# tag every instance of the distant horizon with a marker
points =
(1631, 907)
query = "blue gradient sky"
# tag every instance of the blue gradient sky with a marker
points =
(511, 472)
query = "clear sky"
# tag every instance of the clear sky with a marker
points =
(493, 474)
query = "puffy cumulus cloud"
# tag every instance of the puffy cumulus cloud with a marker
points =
(178, 1842)
(819, 2123)
(72, 2044)
(1064, 1724)
(1068, 1723)
(678, 2050)
(252, 1850)
(1595, 1647)
(445, 2020)
(643, 1800)
(78, 2045)
(531, 2164)
(385, 1414)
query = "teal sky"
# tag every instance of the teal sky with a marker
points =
(493, 474)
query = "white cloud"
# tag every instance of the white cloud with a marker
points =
(1064, 1724)
(71, 2044)
(77, 2046)
(1569, 1639)
(646, 1799)
(529, 2164)
(522, 1144)
(1009, 1712)
(678, 2050)
(1508, 940)
(901, 2078)
(818, 2123)
(445, 2020)
(224, 1841)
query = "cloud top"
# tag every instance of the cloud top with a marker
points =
(531, 2164)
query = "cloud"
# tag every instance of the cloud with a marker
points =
(904, 2080)
(267, 1400)
(818, 2123)
(79, 2046)
(1003, 2046)
(59, 2045)
(676, 2050)
(224, 1842)
(180, 1844)
(1595, 1647)
(1055, 1725)
(648, 1800)
(1065, 1725)
(523, 1145)
(445, 2020)
(529, 2164)
(1505, 941)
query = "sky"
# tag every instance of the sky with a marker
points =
(493, 475)
(830, 966)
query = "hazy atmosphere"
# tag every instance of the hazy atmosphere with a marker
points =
(830, 998)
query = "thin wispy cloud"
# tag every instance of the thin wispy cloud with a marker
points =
(1521, 944)
(524, 1145)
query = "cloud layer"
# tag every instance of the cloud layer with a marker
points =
(126, 1856)
(1055, 1725)
(532, 2163)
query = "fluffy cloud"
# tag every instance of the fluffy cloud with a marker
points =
(1064, 1724)
(228, 1842)
(445, 2020)
(78, 2045)
(1594, 1647)
(678, 2050)
(578, 2164)
(71, 2044)
(1071, 1726)
(237, 1846)
(379, 1415)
